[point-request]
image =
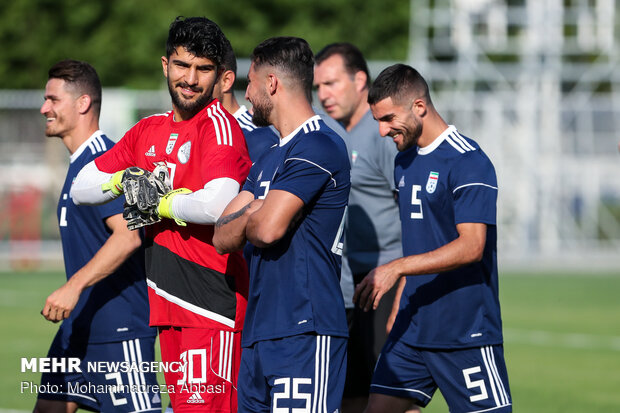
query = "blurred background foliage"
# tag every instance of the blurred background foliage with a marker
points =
(125, 39)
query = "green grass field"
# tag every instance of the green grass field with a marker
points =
(562, 340)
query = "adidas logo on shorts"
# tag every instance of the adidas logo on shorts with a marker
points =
(195, 398)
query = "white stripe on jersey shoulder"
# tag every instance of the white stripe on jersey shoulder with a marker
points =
(451, 136)
(220, 125)
(244, 119)
(222, 114)
(94, 143)
(310, 125)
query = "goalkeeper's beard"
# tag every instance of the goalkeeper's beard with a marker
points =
(185, 105)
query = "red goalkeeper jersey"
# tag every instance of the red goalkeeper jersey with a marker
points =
(190, 284)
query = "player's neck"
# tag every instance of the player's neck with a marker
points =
(230, 103)
(287, 118)
(434, 126)
(361, 109)
(80, 134)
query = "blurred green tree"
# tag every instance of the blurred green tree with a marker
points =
(125, 39)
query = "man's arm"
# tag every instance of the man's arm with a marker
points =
(204, 206)
(272, 221)
(120, 245)
(466, 249)
(395, 305)
(229, 232)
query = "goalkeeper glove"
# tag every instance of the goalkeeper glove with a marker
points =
(115, 184)
(165, 205)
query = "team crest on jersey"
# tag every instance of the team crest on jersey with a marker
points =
(353, 156)
(184, 151)
(171, 141)
(431, 184)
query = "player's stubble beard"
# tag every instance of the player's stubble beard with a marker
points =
(191, 107)
(261, 107)
(411, 134)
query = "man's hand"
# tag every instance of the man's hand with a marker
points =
(143, 191)
(143, 188)
(375, 285)
(138, 219)
(60, 303)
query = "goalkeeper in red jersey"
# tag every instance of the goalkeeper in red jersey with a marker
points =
(197, 297)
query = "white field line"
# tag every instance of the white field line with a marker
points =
(566, 340)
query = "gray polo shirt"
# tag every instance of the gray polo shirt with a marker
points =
(372, 235)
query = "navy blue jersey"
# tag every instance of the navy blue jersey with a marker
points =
(449, 182)
(258, 139)
(294, 284)
(116, 308)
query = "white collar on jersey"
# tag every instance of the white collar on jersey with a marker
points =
(430, 148)
(291, 135)
(83, 146)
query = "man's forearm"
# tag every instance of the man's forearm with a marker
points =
(230, 231)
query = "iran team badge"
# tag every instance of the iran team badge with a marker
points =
(171, 141)
(431, 184)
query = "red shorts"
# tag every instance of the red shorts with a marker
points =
(210, 360)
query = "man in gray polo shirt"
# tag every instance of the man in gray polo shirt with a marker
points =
(372, 234)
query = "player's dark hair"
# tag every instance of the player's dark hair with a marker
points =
(291, 55)
(353, 58)
(399, 82)
(80, 77)
(229, 60)
(199, 36)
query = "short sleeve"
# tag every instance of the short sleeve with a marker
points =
(250, 182)
(225, 162)
(121, 155)
(474, 188)
(308, 167)
(111, 208)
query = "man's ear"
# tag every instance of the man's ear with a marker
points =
(272, 83)
(360, 79)
(164, 65)
(227, 80)
(83, 104)
(418, 107)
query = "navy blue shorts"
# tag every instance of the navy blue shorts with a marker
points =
(105, 388)
(306, 372)
(471, 380)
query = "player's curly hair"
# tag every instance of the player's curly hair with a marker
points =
(401, 83)
(81, 78)
(291, 55)
(199, 36)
